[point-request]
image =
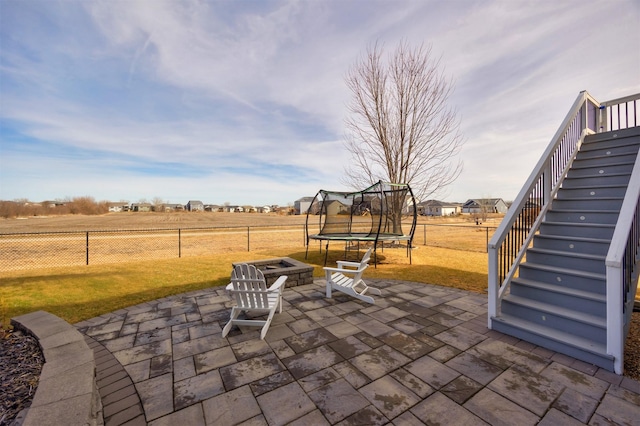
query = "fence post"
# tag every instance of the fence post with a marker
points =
(487, 249)
(179, 243)
(248, 247)
(87, 246)
(424, 231)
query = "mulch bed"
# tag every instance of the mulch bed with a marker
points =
(632, 347)
(21, 360)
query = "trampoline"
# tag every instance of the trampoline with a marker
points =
(373, 216)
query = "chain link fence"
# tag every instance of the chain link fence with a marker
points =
(23, 251)
(457, 237)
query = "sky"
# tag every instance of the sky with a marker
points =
(244, 102)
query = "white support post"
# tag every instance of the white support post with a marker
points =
(494, 285)
(615, 316)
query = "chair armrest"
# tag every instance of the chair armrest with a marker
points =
(279, 283)
(342, 263)
(344, 271)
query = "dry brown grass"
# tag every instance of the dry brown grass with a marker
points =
(118, 237)
(128, 268)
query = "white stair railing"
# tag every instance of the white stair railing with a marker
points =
(622, 270)
(508, 245)
(622, 257)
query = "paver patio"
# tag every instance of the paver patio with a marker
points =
(421, 355)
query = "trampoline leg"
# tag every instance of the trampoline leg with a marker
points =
(326, 253)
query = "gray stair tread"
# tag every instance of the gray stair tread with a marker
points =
(569, 238)
(585, 225)
(606, 136)
(596, 175)
(582, 211)
(583, 294)
(592, 198)
(613, 185)
(565, 253)
(556, 310)
(566, 271)
(553, 334)
(590, 166)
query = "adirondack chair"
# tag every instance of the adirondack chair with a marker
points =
(347, 278)
(248, 288)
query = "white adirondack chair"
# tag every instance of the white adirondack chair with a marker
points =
(248, 288)
(347, 278)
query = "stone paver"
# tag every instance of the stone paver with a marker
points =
(421, 355)
(438, 409)
(498, 410)
(527, 389)
(390, 396)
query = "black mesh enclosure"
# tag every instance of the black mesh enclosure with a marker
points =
(376, 214)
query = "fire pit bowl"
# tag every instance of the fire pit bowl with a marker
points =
(299, 273)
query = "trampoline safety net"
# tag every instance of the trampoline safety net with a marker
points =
(374, 214)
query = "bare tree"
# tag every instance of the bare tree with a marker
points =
(157, 203)
(400, 128)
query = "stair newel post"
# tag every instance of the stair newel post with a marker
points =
(615, 316)
(584, 114)
(603, 119)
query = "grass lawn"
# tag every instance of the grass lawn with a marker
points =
(79, 293)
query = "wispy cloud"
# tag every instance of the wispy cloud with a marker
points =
(245, 101)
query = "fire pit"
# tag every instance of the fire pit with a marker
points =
(299, 273)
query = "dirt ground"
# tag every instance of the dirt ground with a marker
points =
(142, 220)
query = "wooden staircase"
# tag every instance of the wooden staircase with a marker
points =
(558, 298)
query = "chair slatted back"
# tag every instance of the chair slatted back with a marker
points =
(365, 259)
(364, 264)
(249, 287)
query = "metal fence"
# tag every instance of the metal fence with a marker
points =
(23, 251)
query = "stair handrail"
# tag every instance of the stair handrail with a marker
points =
(514, 234)
(622, 269)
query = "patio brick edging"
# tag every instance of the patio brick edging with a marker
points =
(67, 391)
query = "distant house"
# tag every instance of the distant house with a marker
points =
(301, 206)
(335, 207)
(140, 207)
(170, 207)
(437, 208)
(195, 206)
(485, 205)
(264, 209)
(211, 208)
(118, 207)
(50, 204)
